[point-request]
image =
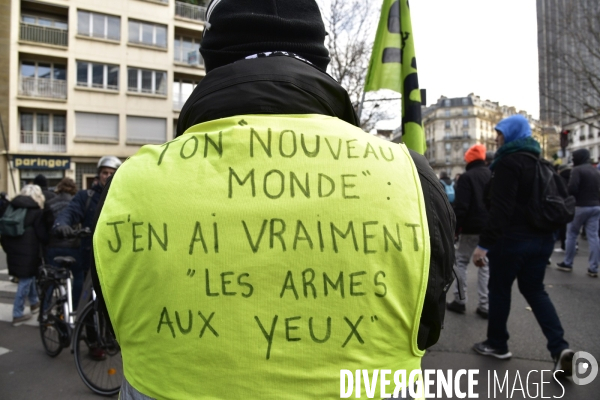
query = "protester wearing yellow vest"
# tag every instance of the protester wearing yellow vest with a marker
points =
(272, 243)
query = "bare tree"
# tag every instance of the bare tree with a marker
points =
(570, 75)
(351, 26)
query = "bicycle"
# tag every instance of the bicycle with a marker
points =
(97, 353)
(100, 367)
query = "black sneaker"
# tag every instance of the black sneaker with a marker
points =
(561, 266)
(482, 313)
(486, 350)
(456, 307)
(564, 363)
(592, 273)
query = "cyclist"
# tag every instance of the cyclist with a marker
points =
(81, 210)
(219, 223)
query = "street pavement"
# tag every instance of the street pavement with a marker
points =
(27, 373)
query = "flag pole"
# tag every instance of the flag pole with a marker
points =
(360, 106)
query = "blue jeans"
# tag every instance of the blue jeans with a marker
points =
(27, 290)
(588, 217)
(77, 270)
(522, 256)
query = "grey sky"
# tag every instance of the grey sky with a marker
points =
(488, 47)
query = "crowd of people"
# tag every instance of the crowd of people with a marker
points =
(495, 231)
(47, 219)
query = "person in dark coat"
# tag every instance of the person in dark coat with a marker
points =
(564, 171)
(42, 182)
(584, 184)
(471, 218)
(82, 210)
(24, 253)
(60, 246)
(517, 250)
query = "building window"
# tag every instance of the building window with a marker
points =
(147, 33)
(146, 81)
(44, 21)
(447, 113)
(102, 76)
(447, 102)
(447, 135)
(97, 126)
(465, 122)
(448, 146)
(182, 89)
(465, 111)
(465, 134)
(187, 51)
(43, 79)
(142, 130)
(447, 124)
(98, 25)
(42, 132)
(465, 145)
(465, 101)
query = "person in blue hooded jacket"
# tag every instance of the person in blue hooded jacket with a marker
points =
(515, 249)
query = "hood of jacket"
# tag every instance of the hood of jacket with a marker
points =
(514, 127)
(268, 85)
(24, 202)
(581, 156)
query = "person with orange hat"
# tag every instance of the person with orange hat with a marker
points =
(471, 217)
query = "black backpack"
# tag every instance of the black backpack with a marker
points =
(550, 206)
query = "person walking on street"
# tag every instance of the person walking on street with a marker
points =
(584, 184)
(448, 185)
(216, 187)
(24, 252)
(471, 218)
(515, 249)
(64, 246)
(42, 182)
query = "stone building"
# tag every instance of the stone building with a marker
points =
(452, 125)
(81, 79)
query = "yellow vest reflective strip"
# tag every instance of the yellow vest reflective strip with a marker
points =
(259, 255)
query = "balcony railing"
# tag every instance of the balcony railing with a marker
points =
(189, 11)
(43, 141)
(43, 87)
(44, 34)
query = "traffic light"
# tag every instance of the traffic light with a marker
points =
(564, 138)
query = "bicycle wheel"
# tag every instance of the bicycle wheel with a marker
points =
(97, 353)
(51, 319)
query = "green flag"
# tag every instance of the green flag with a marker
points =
(393, 66)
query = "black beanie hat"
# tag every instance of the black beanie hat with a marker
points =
(236, 29)
(41, 181)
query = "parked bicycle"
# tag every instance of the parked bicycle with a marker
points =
(97, 353)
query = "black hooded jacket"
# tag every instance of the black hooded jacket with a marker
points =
(471, 213)
(285, 85)
(584, 182)
(23, 253)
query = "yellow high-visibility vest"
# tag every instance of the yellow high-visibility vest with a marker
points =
(257, 256)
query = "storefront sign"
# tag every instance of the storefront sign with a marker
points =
(41, 162)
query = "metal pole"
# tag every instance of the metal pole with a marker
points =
(360, 106)
(7, 155)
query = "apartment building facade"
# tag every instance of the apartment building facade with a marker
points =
(82, 79)
(453, 125)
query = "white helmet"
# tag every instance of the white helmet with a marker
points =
(109, 162)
